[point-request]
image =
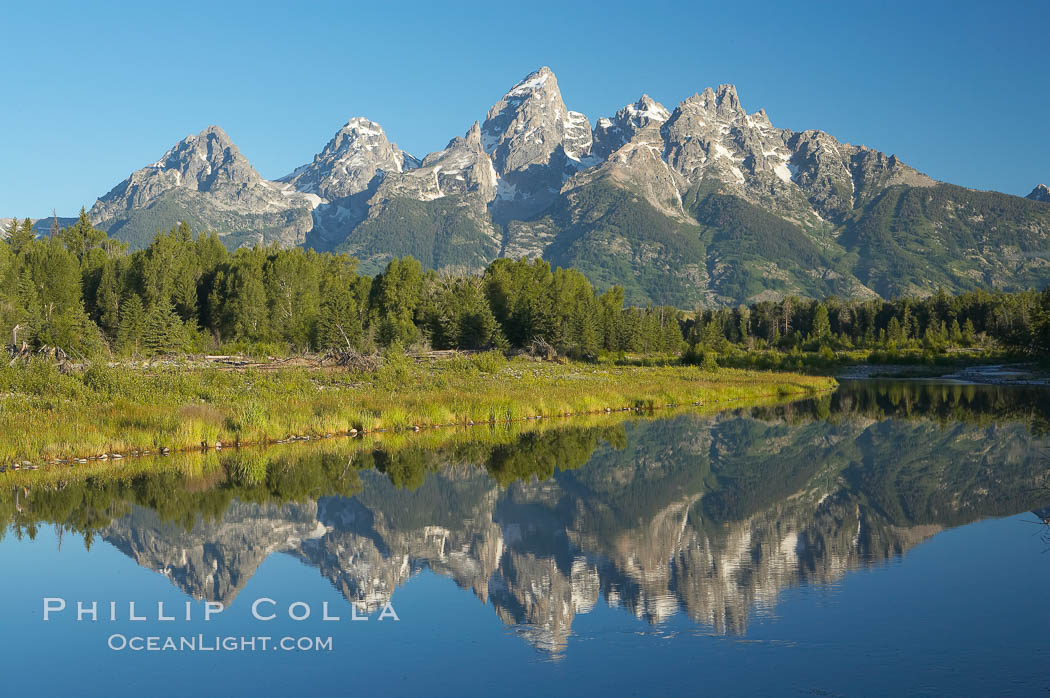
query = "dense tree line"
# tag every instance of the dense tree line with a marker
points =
(85, 293)
(81, 291)
(932, 323)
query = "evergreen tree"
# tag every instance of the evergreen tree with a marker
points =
(81, 237)
(28, 311)
(477, 326)
(894, 333)
(586, 332)
(164, 332)
(714, 337)
(339, 322)
(611, 318)
(395, 297)
(695, 337)
(20, 235)
(12, 230)
(292, 280)
(670, 331)
(214, 314)
(169, 271)
(821, 325)
(107, 300)
(744, 323)
(632, 330)
(521, 298)
(710, 362)
(50, 289)
(969, 334)
(245, 309)
(11, 311)
(131, 330)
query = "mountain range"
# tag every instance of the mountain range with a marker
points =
(701, 203)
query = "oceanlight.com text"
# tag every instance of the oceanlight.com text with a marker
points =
(217, 643)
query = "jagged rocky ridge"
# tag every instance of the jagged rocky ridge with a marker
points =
(206, 181)
(1040, 193)
(704, 203)
(710, 517)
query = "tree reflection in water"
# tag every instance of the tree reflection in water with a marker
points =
(708, 516)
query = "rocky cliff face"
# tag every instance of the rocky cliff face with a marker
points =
(205, 180)
(1040, 193)
(348, 164)
(462, 168)
(703, 202)
(635, 160)
(437, 212)
(535, 142)
(344, 175)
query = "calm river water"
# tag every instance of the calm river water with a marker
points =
(884, 540)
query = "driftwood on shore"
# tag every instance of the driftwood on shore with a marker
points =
(542, 349)
(352, 360)
(349, 359)
(21, 353)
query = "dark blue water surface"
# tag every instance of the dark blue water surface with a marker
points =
(885, 540)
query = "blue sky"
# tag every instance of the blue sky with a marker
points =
(93, 91)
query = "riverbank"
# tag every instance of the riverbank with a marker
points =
(976, 374)
(48, 416)
(336, 460)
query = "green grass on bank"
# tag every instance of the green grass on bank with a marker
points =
(45, 414)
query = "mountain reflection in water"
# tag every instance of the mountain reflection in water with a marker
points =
(708, 516)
